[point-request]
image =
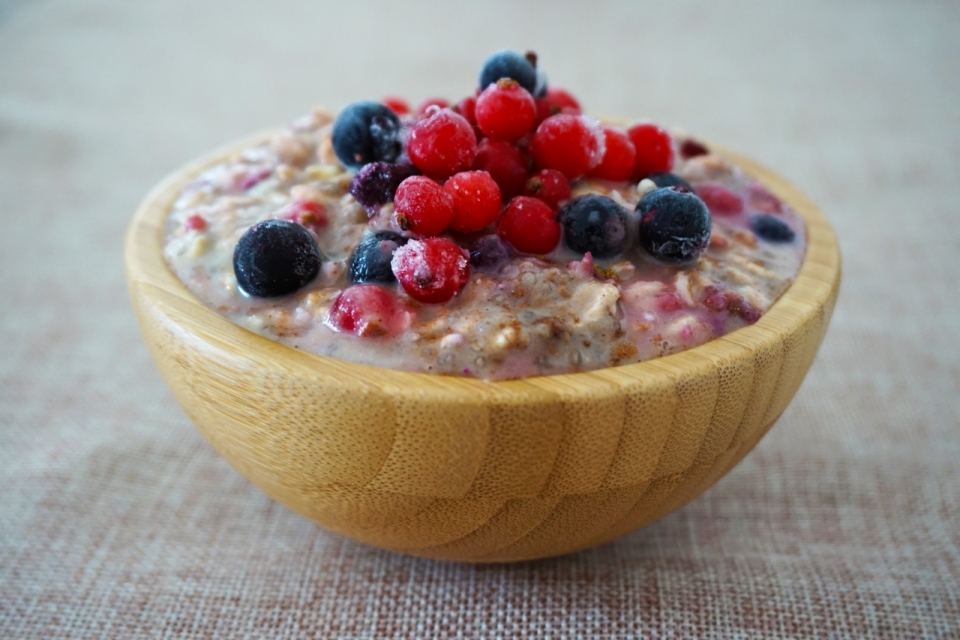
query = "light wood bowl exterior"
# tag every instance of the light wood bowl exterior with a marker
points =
(466, 470)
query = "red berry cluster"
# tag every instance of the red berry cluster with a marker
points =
(501, 159)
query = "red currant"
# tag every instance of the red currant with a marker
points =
(506, 165)
(549, 185)
(654, 150)
(441, 144)
(431, 102)
(619, 158)
(720, 200)
(308, 213)
(505, 111)
(528, 224)
(763, 200)
(562, 98)
(468, 109)
(398, 105)
(196, 222)
(570, 144)
(432, 270)
(422, 206)
(476, 200)
(691, 149)
(368, 310)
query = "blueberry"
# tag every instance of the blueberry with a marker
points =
(594, 223)
(674, 225)
(667, 179)
(370, 261)
(274, 258)
(541, 87)
(771, 229)
(365, 132)
(489, 252)
(376, 183)
(508, 64)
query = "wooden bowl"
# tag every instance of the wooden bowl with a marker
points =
(461, 469)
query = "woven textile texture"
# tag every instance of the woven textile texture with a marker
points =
(117, 520)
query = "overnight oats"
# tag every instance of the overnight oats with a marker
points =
(502, 237)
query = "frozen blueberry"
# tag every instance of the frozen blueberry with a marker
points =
(376, 183)
(274, 258)
(365, 132)
(509, 64)
(667, 179)
(771, 229)
(541, 88)
(594, 223)
(489, 252)
(674, 225)
(370, 261)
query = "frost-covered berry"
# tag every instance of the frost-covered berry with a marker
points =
(720, 200)
(771, 229)
(441, 144)
(619, 156)
(509, 64)
(365, 132)
(505, 111)
(674, 225)
(368, 310)
(488, 253)
(505, 163)
(370, 261)
(654, 150)
(422, 206)
(376, 183)
(432, 270)
(667, 179)
(274, 258)
(398, 105)
(596, 224)
(570, 144)
(476, 200)
(423, 107)
(548, 185)
(528, 225)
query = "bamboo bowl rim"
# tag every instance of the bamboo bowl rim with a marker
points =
(148, 272)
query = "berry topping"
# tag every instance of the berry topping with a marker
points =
(368, 311)
(562, 99)
(422, 206)
(771, 229)
(376, 183)
(570, 144)
(528, 225)
(720, 200)
(468, 109)
(370, 261)
(274, 258)
(508, 64)
(308, 213)
(596, 224)
(654, 150)
(442, 143)
(548, 185)
(424, 106)
(619, 158)
(365, 132)
(398, 105)
(196, 222)
(432, 270)
(674, 225)
(762, 200)
(476, 200)
(691, 149)
(540, 91)
(505, 111)
(506, 165)
(488, 253)
(666, 179)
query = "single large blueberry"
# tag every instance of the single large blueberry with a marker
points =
(377, 183)
(370, 261)
(365, 132)
(274, 258)
(594, 223)
(772, 229)
(509, 64)
(666, 179)
(489, 252)
(674, 225)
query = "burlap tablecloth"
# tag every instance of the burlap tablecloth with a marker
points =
(118, 521)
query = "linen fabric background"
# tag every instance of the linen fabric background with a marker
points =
(117, 520)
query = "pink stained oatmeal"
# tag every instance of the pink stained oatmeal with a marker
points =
(510, 297)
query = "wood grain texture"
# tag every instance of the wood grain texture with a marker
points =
(467, 470)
